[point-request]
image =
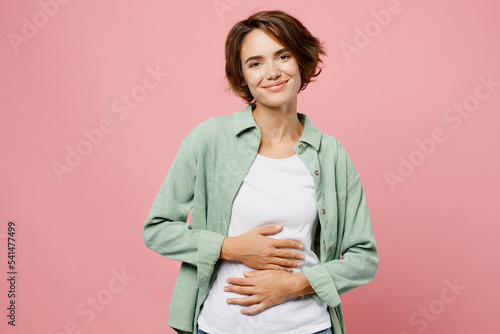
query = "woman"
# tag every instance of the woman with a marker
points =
(273, 201)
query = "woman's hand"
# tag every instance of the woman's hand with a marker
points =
(266, 288)
(257, 251)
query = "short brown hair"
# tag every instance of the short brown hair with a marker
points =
(286, 30)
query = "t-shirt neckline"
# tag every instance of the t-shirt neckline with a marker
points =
(274, 159)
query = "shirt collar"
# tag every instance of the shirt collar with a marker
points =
(243, 120)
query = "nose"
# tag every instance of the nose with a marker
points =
(273, 71)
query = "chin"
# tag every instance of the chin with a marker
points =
(275, 102)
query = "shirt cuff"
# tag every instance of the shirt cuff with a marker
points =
(209, 247)
(323, 285)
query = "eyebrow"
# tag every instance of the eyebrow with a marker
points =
(260, 57)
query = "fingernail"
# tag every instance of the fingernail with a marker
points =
(278, 226)
(302, 256)
(301, 246)
(297, 264)
(228, 301)
(226, 289)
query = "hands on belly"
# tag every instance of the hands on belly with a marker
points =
(273, 282)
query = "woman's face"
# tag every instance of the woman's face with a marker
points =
(266, 63)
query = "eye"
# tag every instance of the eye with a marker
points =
(283, 55)
(251, 65)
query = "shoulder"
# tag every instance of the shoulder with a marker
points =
(206, 132)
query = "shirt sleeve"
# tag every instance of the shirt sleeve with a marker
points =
(359, 262)
(166, 230)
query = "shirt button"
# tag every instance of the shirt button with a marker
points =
(330, 249)
(316, 172)
(323, 211)
(301, 146)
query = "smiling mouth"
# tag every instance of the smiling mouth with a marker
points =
(276, 84)
(276, 87)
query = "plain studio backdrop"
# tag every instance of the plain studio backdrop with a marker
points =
(96, 97)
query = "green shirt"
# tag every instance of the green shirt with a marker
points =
(206, 174)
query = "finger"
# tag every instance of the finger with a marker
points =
(254, 310)
(285, 262)
(251, 273)
(289, 254)
(240, 281)
(244, 301)
(278, 267)
(242, 290)
(287, 243)
(271, 229)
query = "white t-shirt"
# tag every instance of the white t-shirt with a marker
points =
(275, 191)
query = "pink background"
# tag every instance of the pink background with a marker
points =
(436, 226)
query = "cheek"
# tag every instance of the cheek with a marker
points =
(299, 79)
(293, 69)
(299, 84)
(252, 80)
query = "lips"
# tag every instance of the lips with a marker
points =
(275, 84)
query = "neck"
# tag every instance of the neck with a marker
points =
(278, 125)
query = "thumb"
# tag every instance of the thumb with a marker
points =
(249, 274)
(271, 229)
